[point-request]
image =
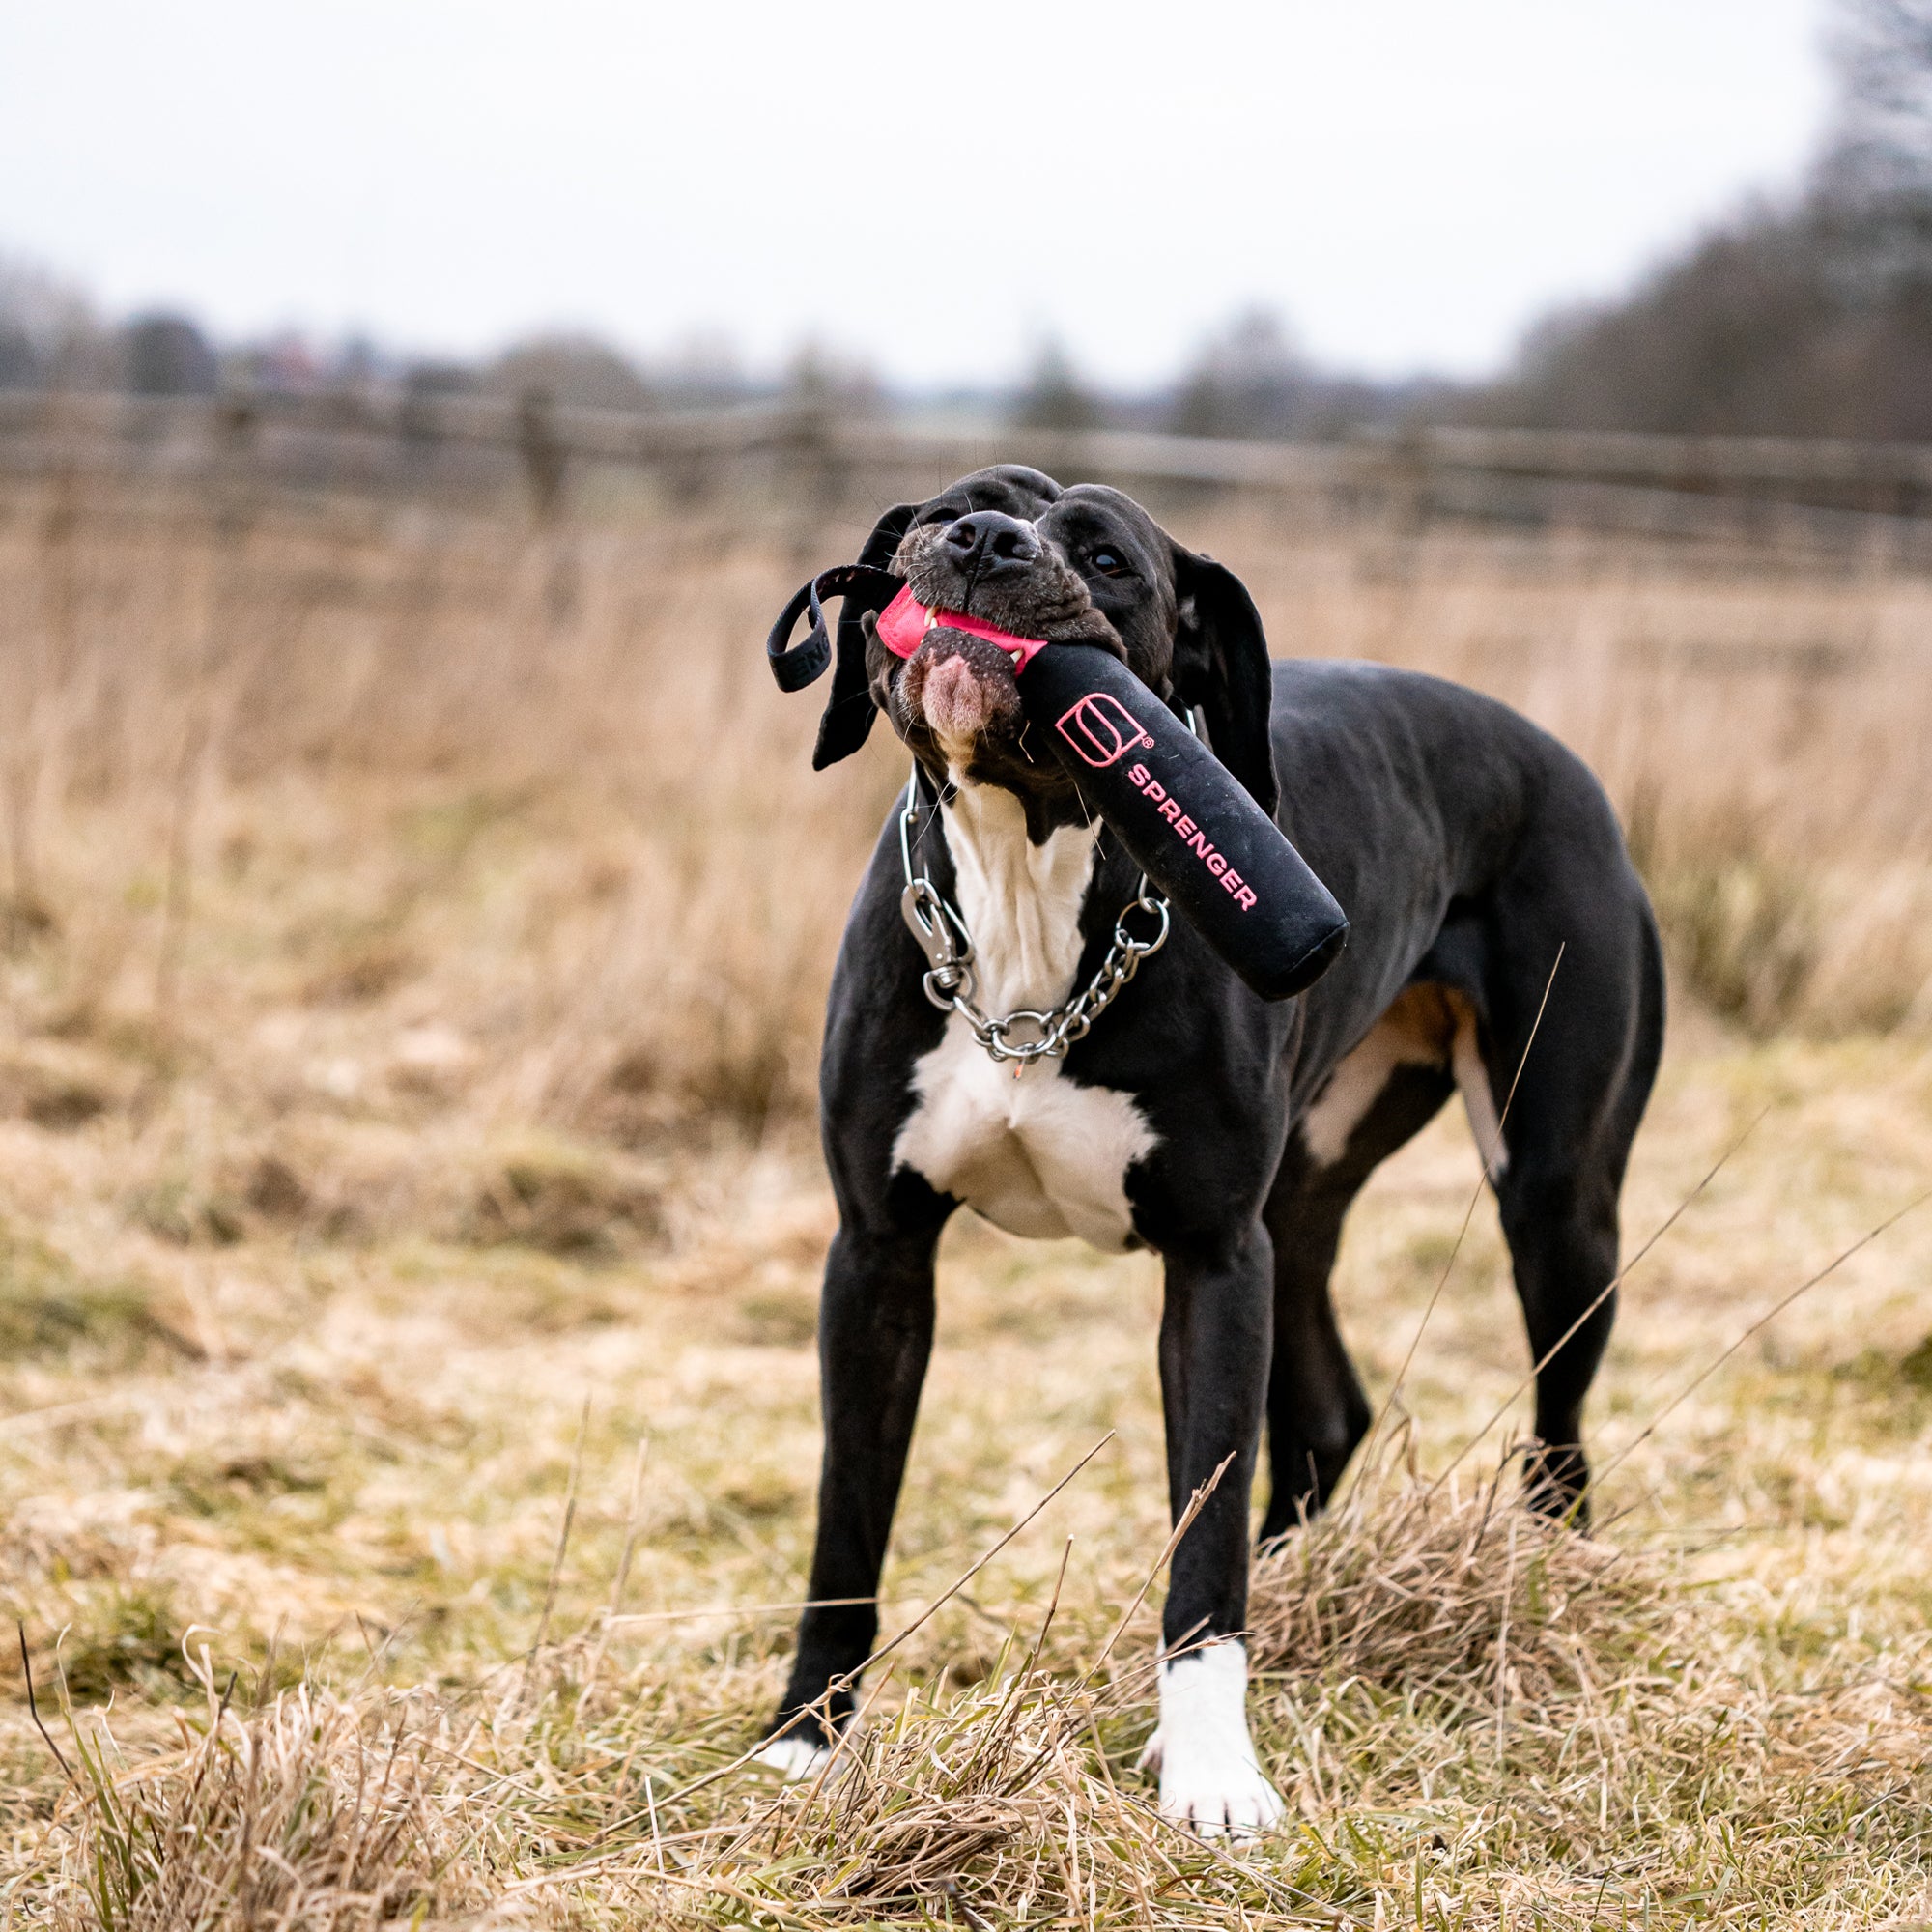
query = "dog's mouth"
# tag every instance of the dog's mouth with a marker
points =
(905, 624)
(959, 686)
(959, 676)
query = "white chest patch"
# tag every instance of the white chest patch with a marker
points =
(1037, 1155)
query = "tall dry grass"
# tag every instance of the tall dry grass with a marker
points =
(199, 696)
(1529, 1728)
(417, 926)
(1760, 726)
(533, 788)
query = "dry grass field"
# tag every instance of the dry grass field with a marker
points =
(414, 934)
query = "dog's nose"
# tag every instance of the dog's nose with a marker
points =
(988, 541)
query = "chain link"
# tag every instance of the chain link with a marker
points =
(942, 936)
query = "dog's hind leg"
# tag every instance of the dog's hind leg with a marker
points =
(1562, 1231)
(874, 1338)
(1315, 1408)
(1579, 1094)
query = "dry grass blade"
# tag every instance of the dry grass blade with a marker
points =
(990, 1803)
(1609, 1287)
(306, 1813)
(562, 1550)
(34, 1704)
(1756, 1326)
(1441, 1591)
(1394, 1396)
(1196, 1504)
(893, 1642)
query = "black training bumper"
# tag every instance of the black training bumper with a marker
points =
(1181, 813)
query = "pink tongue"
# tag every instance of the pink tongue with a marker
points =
(904, 622)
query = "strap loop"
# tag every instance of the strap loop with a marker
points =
(794, 669)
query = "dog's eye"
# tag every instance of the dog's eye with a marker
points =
(1110, 564)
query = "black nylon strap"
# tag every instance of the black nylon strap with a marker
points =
(873, 590)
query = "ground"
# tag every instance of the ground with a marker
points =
(412, 938)
(359, 1459)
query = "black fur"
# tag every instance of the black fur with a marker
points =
(1467, 848)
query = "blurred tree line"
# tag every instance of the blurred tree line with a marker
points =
(1809, 315)
(1806, 316)
(51, 338)
(1248, 379)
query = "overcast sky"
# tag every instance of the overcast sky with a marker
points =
(932, 187)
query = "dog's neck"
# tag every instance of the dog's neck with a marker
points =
(1021, 900)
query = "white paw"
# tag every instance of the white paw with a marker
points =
(793, 1757)
(1211, 1781)
(1228, 1800)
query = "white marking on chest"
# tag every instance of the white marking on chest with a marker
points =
(1038, 1155)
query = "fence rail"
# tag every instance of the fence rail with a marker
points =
(1872, 500)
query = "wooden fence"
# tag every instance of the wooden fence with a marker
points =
(1855, 501)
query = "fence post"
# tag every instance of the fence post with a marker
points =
(545, 456)
(546, 459)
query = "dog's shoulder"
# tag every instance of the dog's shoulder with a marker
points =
(1325, 696)
(1340, 724)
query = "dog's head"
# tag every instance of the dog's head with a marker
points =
(1011, 548)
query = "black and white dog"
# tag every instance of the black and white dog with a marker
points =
(1468, 849)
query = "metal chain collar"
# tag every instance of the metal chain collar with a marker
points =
(942, 936)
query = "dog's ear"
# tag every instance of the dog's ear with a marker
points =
(849, 710)
(1221, 664)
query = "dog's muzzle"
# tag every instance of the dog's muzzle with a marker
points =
(960, 671)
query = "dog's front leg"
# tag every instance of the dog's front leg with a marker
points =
(1215, 1337)
(874, 1337)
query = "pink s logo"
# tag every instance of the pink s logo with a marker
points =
(1102, 730)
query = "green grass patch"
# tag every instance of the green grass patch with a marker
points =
(50, 1308)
